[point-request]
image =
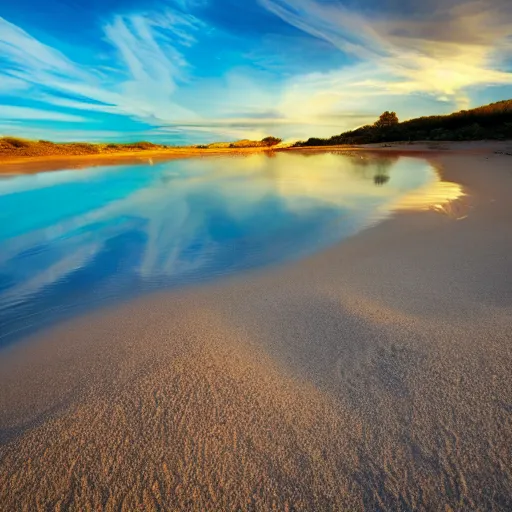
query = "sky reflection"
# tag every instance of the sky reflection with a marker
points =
(73, 240)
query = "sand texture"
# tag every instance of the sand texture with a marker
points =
(373, 376)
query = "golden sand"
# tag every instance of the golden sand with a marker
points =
(33, 164)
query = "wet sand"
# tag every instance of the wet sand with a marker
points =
(372, 376)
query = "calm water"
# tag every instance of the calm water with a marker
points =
(73, 240)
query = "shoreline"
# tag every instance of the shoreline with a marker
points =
(372, 375)
(34, 164)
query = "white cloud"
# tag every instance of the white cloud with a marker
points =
(437, 57)
(21, 129)
(140, 86)
(18, 113)
(148, 72)
(442, 53)
(24, 52)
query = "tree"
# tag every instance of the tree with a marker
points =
(387, 120)
(271, 141)
(492, 121)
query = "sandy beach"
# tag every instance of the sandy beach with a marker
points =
(13, 165)
(33, 164)
(372, 376)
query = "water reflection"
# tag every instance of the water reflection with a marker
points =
(381, 178)
(76, 239)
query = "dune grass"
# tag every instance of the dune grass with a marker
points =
(16, 146)
(13, 147)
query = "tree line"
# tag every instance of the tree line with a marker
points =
(492, 121)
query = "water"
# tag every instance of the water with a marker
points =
(75, 240)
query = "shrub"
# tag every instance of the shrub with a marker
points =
(15, 142)
(271, 141)
(85, 147)
(141, 145)
(492, 121)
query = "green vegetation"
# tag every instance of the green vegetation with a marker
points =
(492, 121)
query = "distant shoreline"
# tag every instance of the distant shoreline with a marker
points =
(34, 164)
(12, 165)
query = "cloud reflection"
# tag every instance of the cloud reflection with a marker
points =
(72, 239)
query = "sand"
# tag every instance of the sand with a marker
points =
(11, 165)
(372, 376)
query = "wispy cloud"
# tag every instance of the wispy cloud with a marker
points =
(451, 47)
(19, 113)
(150, 77)
(140, 84)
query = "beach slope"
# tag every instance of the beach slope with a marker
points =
(372, 376)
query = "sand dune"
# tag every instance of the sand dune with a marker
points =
(373, 376)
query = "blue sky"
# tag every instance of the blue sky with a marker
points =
(184, 71)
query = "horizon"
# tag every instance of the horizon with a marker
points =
(197, 71)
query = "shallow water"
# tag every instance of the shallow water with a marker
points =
(73, 240)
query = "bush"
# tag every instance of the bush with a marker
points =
(141, 145)
(492, 121)
(15, 142)
(271, 141)
(84, 147)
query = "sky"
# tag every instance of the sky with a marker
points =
(190, 71)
